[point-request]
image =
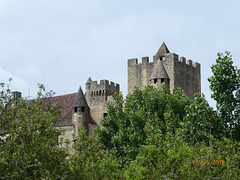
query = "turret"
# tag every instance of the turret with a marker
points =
(159, 76)
(88, 90)
(81, 112)
(88, 84)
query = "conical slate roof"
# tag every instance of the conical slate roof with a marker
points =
(163, 50)
(80, 100)
(89, 80)
(159, 72)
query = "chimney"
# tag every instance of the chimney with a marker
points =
(16, 95)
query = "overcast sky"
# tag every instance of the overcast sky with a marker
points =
(61, 43)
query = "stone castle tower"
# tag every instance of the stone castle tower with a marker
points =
(97, 96)
(167, 69)
(81, 112)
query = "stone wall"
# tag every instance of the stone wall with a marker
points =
(183, 74)
(98, 107)
(97, 96)
(68, 135)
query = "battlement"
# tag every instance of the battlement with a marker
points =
(104, 84)
(167, 57)
(132, 61)
(183, 60)
(103, 89)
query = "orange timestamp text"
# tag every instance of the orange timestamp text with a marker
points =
(208, 162)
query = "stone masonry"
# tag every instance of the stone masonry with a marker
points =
(183, 74)
(97, 96)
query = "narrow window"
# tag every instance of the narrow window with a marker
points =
(75, 109)
(105, 116)
(162, 81)
(100, 93)
(82, 109)
(155, 81)
(91, 94)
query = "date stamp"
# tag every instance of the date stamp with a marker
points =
(208, 162)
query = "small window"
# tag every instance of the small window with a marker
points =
(162, 81)
(82, 109)
(75, 109)
(100, 93)
(155, 81)
(105, 116)
(91, 94)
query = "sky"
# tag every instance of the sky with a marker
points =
(61, 43)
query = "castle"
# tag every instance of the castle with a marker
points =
(79, 109)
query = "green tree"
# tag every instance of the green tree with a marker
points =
(173, 158)
(125, 130)
(225, 84)
(28, 141)
(201, 122)
(90, 160)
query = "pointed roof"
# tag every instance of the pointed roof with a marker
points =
(89, 80)
(159, 72)
(163, 50)
(80, 100)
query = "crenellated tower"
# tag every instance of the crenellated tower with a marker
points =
(97, 96)
(166, 68)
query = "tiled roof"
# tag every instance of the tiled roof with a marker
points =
(66, 103)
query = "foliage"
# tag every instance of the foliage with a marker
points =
(201, 122)
(172, 158)
(225, 85)
(90, 160)
(151, 135)
(125, 129)
(28, 145)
